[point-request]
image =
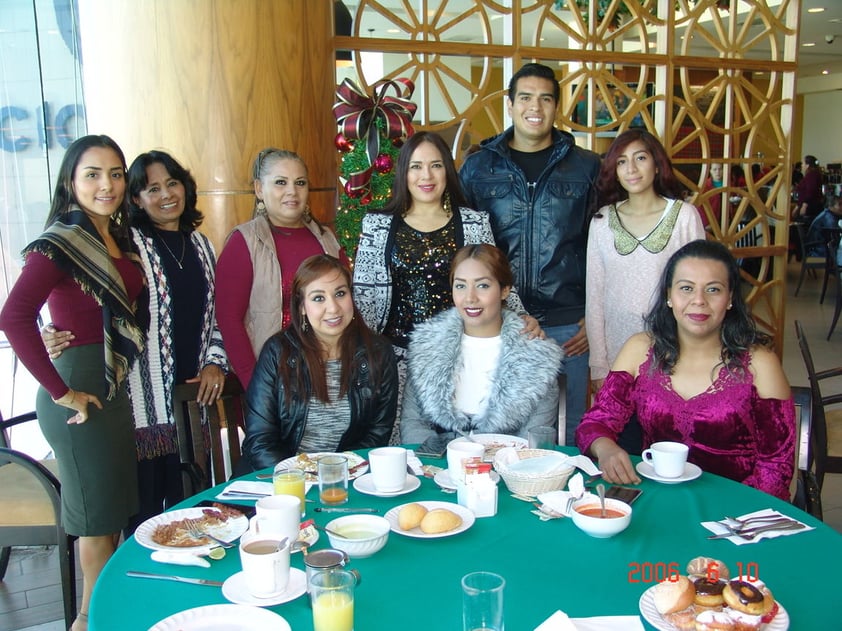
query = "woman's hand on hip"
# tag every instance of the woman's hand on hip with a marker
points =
(55, 341)
(78, 401)
(211, 381)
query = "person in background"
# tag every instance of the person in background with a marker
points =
(797, 175)
(537, 187)
(701, 375)
(830, 217)
(809, 192)
(324, 383)
(255, 269)
(83, 267)
(185, 345)
(713, 182)
(402, 266)
(471, 368)
(641, 223)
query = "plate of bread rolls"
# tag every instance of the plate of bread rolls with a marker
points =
(708, 598)
(430, 520)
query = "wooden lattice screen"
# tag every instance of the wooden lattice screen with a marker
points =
(714, 79)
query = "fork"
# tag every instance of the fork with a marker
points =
(196, 532)
(742, 522)
(755, 532)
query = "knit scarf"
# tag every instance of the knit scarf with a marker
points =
(74, 245)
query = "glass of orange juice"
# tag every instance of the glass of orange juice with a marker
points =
(333, 479)
(289, 482)
(332, 597)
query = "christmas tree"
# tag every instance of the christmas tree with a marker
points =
(372, 130)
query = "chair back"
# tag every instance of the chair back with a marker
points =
(807, 492)
(204, 433)
(818, 422)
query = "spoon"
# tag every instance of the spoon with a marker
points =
(600, 489)
(330, 531)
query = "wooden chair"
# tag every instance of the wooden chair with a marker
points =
(808, 495)
(826, 424)
(832, 238)
(201, 431)
(30, 511)
(810, 263)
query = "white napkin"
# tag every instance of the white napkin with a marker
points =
(559, 621)
(179, 558)
(230, 491)
(557, 500)
(717, 527)
(414, 463)
(510, 456)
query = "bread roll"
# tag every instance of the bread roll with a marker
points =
(708, 568)
(410, 516)
(440, 520)
(670, 597)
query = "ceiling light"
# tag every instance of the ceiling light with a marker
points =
(806, 44)
(825, 71)
(816, 10)
(393, 30)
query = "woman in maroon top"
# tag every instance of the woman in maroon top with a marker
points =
(83, 268)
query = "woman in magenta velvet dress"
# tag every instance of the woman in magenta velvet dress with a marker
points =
(701, 375)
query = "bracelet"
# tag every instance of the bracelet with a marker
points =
(72, 399)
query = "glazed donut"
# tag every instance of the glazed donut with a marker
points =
(671, 596)
(708, 593)
(710, 620)
(744, 597)
(705, 566)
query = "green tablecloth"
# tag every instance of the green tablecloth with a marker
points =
(414, 584)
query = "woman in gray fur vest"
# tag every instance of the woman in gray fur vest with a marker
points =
(472, 368)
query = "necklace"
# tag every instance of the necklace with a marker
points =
(178, 261)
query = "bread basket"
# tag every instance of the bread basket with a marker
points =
(532, 483)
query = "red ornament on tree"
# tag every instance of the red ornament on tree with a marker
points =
(365, 200)
(383, 163)
(397, 142)
(342, 144)
(351, 192)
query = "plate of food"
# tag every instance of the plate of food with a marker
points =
(169, 531)
(309, 464)
(495, 442)
(430, 519)
(711, 599)
(223, 618)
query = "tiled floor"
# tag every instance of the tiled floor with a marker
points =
(30, 599)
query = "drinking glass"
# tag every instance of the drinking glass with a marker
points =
(289, 482)
(542, 437)
(332, 597)
(333, 479)
(482, 602)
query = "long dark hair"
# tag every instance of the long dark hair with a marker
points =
(64, 197)
(608, 187)
(738, 332)
(301, 366)
(401, 199)
(190, 219)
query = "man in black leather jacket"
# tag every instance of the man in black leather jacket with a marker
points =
(274, 428)
(538, 188)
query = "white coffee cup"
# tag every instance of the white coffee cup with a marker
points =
(278, 516)
(458, 450)
(388, 468)
(265, 563)
(667, 458)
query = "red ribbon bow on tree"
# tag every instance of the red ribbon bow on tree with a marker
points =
(358, 114)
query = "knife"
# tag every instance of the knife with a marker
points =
(177, 579)
(751, 533)
(330, 509)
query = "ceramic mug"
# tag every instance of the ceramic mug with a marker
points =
(265, 563)
(458, 450)
(388, 468)
(278, 515)
(667, 458)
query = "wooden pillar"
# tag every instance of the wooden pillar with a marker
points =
(213, 82)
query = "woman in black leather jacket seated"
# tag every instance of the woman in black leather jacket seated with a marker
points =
(326, 382)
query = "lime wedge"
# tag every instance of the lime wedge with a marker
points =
(217, 553)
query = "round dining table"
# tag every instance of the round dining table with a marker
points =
(414, 584)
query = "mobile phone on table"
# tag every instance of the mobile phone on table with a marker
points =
(623, 493)
(435, 446)
(248, 511)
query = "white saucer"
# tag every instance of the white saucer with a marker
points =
(235, 590)
(691, 472)
(443, 479)
(365, 484)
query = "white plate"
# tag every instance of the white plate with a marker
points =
(647, 608)
(691, 472)
(223, 618)
(235, 590)
(466, 514)
(311, 472)
(442, 478)
(365, 484)
(495, 442)
(228, 531)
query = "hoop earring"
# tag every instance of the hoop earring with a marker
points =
(446, 205)
(307, 216)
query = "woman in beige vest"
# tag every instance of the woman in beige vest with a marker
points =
(255, 270)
